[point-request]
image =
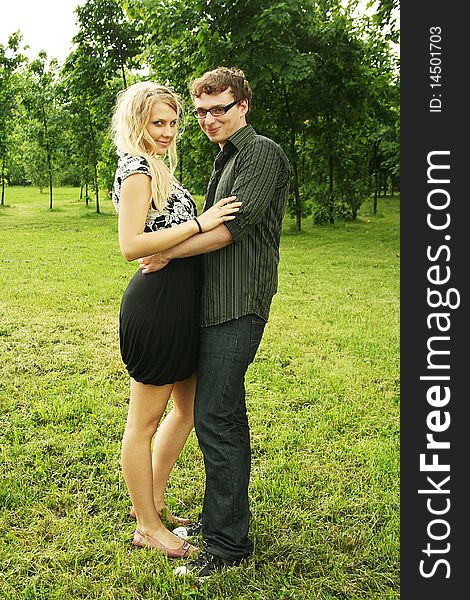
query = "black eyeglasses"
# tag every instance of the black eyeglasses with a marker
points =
(216, 111)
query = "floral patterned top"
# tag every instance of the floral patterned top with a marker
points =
(180, 207)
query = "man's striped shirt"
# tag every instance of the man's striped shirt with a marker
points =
(241, 278)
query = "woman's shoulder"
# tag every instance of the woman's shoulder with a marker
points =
(129, 165)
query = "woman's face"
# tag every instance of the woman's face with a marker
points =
(162, 126)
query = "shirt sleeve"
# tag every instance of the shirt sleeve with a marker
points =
(130, 165)
(257, 175)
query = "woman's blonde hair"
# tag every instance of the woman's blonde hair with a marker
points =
(129, 125)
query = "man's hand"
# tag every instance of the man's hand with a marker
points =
(155, 262)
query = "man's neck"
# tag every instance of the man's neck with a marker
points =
(222, 144)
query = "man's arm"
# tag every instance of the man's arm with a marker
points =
(217, 238)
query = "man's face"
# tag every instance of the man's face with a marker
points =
(219, 129)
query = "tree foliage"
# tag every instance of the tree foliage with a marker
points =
(11, 60)
(324, 80)
(107, 37)
(107, 45)
(40, 100)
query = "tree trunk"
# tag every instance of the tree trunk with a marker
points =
(298, 208)
(375, 195)
(295, 165)
(95, 164)
(50, 183)
(376, 177)
(49, 157)
(331, 208)
(3, 181)
(95, 175)
(123, 75)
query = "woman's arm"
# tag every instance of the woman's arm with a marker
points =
(215, 239)
(133, 210)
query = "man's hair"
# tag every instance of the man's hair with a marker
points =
(219, 80)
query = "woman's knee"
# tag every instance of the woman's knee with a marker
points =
(183, 401)
(141, 429)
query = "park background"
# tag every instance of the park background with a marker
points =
(323, 393)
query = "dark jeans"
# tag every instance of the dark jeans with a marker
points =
(221, 424)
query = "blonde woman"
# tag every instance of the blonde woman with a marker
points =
(159, 312)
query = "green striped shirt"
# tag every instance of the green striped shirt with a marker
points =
(241, 278)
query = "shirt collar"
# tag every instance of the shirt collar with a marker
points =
(242, 136)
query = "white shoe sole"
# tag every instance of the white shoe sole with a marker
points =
(181, 532)
(184, 571)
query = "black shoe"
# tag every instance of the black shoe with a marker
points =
(188, 531)
(203, 565)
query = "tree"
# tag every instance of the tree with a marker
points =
(10, 61)
(382, 127)
(90, 97)
(386, 18)
(107, 45)
(305, 61)
(263, 38)
(324, 82)
(40, 100)
(173, 38)
(107, 36)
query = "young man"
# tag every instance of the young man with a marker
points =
(240, 278)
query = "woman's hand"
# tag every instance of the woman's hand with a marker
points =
(220, 212)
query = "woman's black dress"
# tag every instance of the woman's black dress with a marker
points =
(159, 314)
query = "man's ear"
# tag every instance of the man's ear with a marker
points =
(244, 105)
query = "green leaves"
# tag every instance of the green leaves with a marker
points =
(107, 35)
(323, 76)
(10, 61)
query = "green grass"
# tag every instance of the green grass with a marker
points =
(322, 394)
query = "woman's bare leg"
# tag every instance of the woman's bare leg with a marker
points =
(146, 406)
(171, 437)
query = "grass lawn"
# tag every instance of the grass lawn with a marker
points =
(322, 394)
